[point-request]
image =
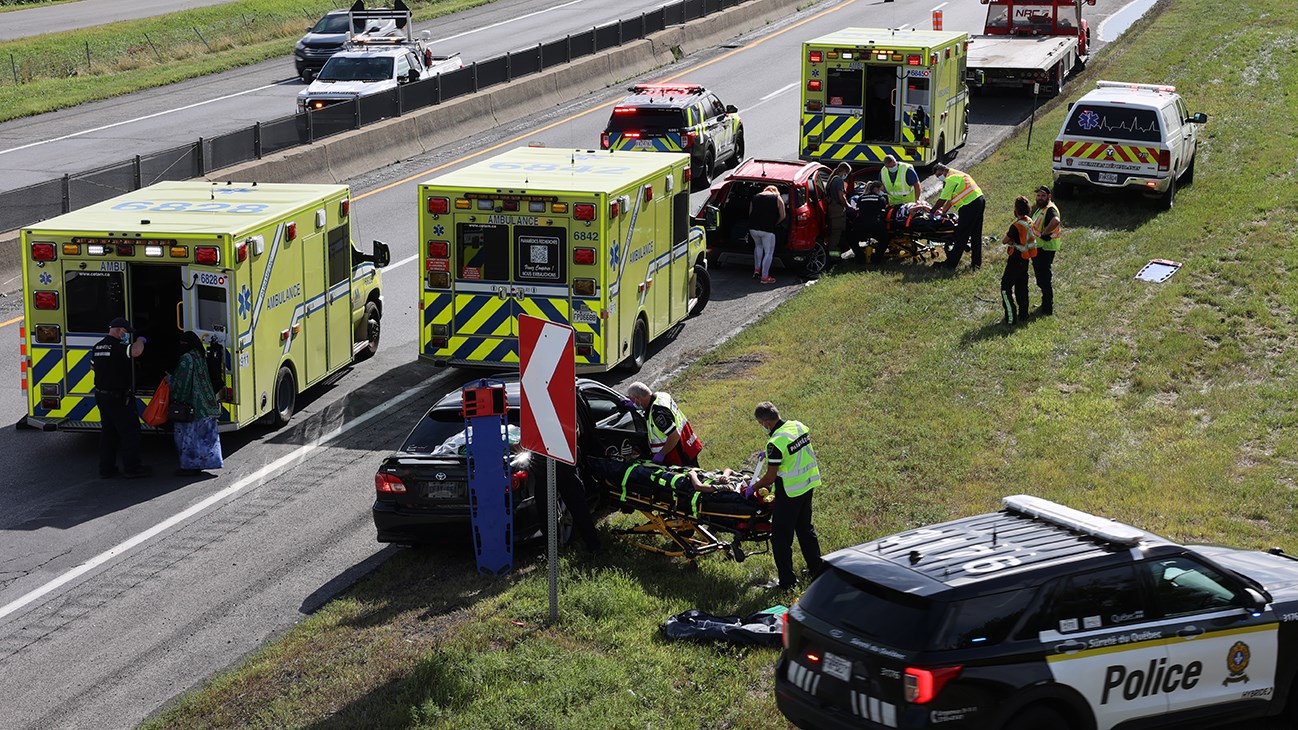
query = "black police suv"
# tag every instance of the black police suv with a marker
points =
(1041, 617)
(422, 490)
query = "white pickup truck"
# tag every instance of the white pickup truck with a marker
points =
(371, 66)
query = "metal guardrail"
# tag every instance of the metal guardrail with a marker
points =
(23, 206)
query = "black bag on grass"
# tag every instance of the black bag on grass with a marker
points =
(756, 629)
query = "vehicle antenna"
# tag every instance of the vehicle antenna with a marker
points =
(915, 557)
(993, 535)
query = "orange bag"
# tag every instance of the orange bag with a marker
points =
(155, 414)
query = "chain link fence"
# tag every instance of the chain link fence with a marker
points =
(24, 206)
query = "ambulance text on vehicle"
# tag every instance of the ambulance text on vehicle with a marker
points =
(265, 273)
(869, 92)
(597, 240)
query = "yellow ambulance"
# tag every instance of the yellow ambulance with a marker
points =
(872, 92)
(599, 240)
(265, 274)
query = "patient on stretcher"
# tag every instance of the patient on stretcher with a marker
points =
(689, 491)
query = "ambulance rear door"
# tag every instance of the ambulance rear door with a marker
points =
(209, 300)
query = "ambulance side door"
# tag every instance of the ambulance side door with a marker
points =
(1222, 652)
(338, 301)
(208, 302)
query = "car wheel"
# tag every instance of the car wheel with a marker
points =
(703, 174)
(1064, 190)
(1169, 198)
(817, 261)
(372, 331)
(639, 346)
(738, 155)
(564, 521)
(285, 397)
(1037, 718)
(1187, 177)
(700, 289)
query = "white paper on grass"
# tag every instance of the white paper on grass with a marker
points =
(1158, 270)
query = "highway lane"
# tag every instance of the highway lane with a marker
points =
(112, 644)
(68, 17)
(100, 133)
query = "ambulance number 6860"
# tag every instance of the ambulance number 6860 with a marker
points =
(184, 207)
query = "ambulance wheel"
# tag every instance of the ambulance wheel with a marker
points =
(1168, 198)
(964, 131)
(1038, 717)
(701, 289)
(639, 346)
(372, 331)
(285, 397)
(941, 149)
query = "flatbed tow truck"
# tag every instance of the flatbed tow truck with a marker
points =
(1027, 42)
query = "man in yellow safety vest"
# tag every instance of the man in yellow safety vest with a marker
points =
(960, 194)
(791, 466)
(1046, 226)
(671, 437)
(900, 181)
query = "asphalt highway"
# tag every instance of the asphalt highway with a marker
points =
(101, 133)
(116, 596)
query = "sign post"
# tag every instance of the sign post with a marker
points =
(548, 416)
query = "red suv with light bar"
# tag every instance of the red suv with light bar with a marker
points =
(801, 241)
(1041, 617)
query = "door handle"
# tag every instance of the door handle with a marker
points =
(179, 325)
(1190, 632)
(1070, 647)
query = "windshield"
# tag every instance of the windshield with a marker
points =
(442, 433)
(350, 68)
(331, 24)
(646, 120)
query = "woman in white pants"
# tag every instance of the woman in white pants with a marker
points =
(765, 214)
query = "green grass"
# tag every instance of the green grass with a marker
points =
(7, 5)
(61, 70)
(1167, 406)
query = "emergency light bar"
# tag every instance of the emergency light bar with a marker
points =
(1124, 85)
(666, 89)
(1075, 520)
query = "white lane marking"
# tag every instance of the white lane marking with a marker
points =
(402, 262)
(504, 22)
(137, 119)
(777, 92)
(296, 456)
(259, 88)
(938, 7)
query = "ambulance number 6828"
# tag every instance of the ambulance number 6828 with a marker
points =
(180, 206)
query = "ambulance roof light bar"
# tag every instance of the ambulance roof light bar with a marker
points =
(1075, 520)
(1163, 88)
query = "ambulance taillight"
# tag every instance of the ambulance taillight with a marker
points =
(914, 60)
(345, 208)
(439, 249)
(207, 255)
(125, 249)
(42, 252)
(71, 249)
(1164, 160)
(439, 205)
(922, 685)
(584, 287)
(815, 56)
(614, 209)
(510, 206)
(241, 252)
(687, 175)
(45, 300)
(290, 232)
(584, 211)
(1059, 151)
(583, 256)
(813, 85)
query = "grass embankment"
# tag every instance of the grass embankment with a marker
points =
(1168, 406)
(61, 70)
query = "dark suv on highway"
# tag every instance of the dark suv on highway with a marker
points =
(422, 490)
(1040, 617)
(327, 37)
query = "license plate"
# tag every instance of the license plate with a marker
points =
(644, 144)
(837, 666)
(1109, 177)
(445, 491)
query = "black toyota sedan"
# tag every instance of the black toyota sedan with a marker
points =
(422, 490)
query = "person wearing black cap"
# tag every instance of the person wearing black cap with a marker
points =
(1046, 227)
(119, 422)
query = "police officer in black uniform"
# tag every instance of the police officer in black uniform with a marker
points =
(119, 422)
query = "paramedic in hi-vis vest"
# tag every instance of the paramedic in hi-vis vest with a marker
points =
(791, 467)
(900, 181)
(1047, 228)
(960, 194)
(671, 437)
(1021, 247)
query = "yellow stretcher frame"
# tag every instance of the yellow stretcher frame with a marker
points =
(666, 531)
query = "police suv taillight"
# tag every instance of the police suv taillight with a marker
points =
(439, 205)
(604, 140)
(922, 685)
(42, 252)
(584, 211)
(687, 140)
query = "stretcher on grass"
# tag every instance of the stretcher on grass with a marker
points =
(913, 233)
(680, 521)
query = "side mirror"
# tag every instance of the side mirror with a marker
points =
(1254, 601)
(711, 217)
(382, 256)
(980, 78)
(1198, 118)
(732, 109)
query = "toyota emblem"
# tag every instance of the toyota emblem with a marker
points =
(440, 476)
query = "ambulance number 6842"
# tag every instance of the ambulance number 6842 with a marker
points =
(180, 206)
(585, 236)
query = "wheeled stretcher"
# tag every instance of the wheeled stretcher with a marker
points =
(912, 232)
(680, 521)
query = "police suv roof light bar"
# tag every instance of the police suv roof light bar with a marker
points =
(1075, 520)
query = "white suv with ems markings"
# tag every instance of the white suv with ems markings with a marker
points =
(1123, 136)
(1041, 617)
